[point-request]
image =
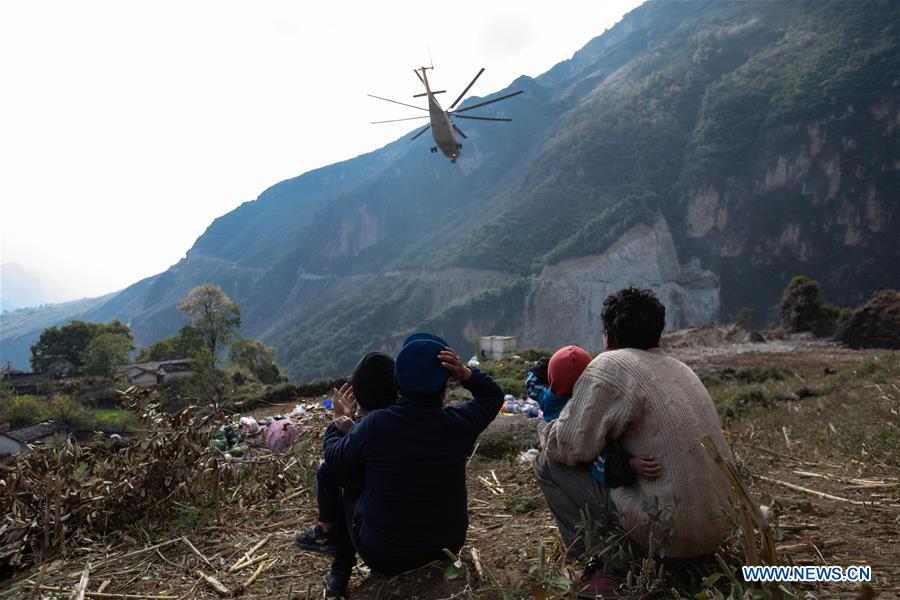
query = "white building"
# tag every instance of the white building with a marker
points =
(497, 347)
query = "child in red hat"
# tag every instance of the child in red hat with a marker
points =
(615, 466)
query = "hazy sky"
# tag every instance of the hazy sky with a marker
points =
(127, 127)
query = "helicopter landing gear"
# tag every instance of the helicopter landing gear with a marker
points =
(459, 146)
(433, 150)
(452, 161)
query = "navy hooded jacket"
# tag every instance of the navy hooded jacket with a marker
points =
(412, 456)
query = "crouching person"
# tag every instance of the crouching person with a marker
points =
(655, 406)
(411, 456)
(371, 388)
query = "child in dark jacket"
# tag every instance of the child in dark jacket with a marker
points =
(551, 382)
(412, 503)
(371, 388)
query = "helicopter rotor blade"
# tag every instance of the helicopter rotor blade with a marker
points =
(396, 102)
(396, 120)
(481, 118)
(468, 87)
(459, 131)
(424, 129)
(480, 104)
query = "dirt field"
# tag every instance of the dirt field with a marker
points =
(814, 429)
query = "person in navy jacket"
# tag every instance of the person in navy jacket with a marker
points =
(411, 462)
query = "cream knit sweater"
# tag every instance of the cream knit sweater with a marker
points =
(653, 404)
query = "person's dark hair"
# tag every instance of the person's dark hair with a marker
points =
(373, 381)
(633, 318)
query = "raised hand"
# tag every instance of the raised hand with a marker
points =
(645, 467)
(450, 360)
(344, 424)
(344, 401)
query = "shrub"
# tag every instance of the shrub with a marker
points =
(874, 325)
(257, 358)
(761, 374)
(532, 354)
(24, 410)
(70, 413)
(801, 309)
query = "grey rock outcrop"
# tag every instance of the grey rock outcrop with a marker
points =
(566, 299)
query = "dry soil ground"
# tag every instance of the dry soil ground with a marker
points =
(814, 429)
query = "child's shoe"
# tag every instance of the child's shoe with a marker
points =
(318, 540)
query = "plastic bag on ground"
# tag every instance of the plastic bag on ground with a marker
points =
(249, 426)
(528, 456)
(281, 435)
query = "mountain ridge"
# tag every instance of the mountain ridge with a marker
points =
(760, 138)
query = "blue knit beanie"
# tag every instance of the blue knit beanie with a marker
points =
(419, 372)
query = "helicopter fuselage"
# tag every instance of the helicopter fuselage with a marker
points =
(442, 130)
(441, 127)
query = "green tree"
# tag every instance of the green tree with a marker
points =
(801, 309)
(104, 352)
(184, 344)
(208, 383)
(800, 306)
(70, 341)
(257, 358)
(213, 314)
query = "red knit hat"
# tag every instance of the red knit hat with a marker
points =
(566, 366)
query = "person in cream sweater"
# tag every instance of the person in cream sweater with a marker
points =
(653, 405)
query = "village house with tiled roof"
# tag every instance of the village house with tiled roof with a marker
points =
(149, 374)
(18, 440)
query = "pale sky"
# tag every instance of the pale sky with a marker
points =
(127, 127)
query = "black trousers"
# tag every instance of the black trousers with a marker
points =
(349, 544)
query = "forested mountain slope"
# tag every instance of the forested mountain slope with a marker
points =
(710, 150)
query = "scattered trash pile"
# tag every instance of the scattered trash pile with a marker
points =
(520, 406)
(58, 498)
(276, 433)
(513, 405)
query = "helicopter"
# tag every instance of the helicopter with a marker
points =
(443, 129)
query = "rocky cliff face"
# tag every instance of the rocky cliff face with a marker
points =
(710, 150)
(564, 302)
